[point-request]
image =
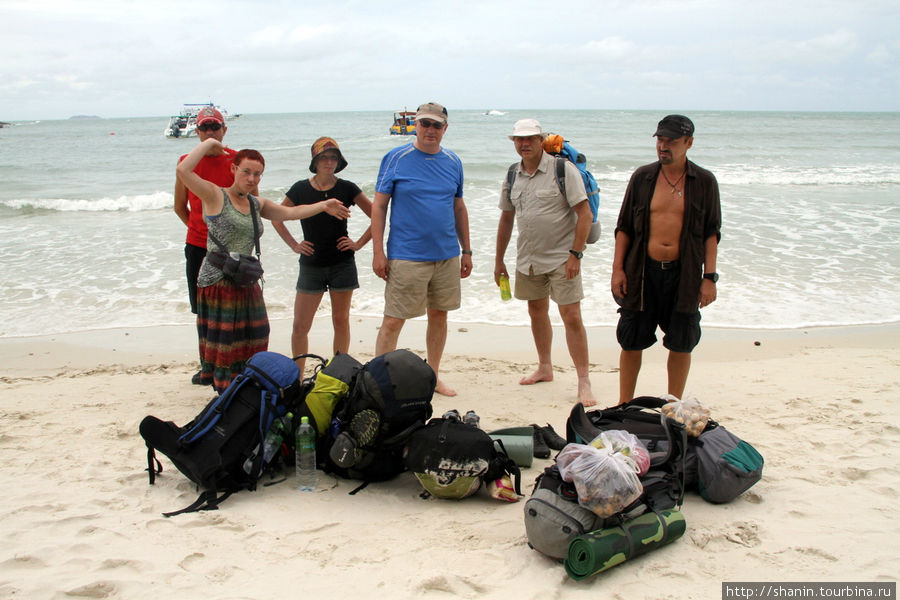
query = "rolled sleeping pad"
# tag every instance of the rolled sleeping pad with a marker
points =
(597, 551)
(518, 443)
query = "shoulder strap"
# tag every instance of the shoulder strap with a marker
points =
(510, 179)
(253, 216)
(561, 174)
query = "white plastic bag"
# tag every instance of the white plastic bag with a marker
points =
(606, 482)
(690, 413)
(628, 444)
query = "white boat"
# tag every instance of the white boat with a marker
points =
(184, 124)
(494, 113)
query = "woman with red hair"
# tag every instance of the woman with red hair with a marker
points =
(231, 318)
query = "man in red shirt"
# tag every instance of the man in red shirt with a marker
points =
(189, 209)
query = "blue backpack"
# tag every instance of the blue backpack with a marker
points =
(220, 449)
(555, 145)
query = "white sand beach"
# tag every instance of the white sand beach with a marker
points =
(80, 520)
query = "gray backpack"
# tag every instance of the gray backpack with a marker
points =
(727, 466)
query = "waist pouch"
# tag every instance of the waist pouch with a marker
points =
(240, 269)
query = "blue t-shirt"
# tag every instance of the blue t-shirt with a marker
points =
(423, 189)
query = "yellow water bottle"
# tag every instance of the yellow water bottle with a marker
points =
(505, 293)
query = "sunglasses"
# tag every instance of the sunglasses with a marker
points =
(430, 124)
(328, 157)
(209, 127)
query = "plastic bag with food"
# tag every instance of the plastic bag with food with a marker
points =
(618, 440)
(689, 412)
(606, 482)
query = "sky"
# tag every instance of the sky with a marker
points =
(131, 58)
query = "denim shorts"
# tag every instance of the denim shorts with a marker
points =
(637, 328)
(339, 277)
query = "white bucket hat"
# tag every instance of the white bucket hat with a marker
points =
(527, 128)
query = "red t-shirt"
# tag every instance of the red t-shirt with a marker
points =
(216, 169)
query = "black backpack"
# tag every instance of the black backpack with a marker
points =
(389, 398)
(452, 459)
(553, 516)
(216, 448)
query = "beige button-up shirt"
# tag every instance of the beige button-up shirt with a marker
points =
(546, 219)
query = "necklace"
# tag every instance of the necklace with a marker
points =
(674, 185)
(320, 186)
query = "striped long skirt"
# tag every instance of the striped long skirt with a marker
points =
(232, 325)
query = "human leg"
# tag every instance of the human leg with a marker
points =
(193, 260)
(233, 326)
(542, 332)
(435, 340)
(388, 334)
(340, 319)
(305, 306)
(635, 333)
(629, 367)
(682, 333)
(576, 340)
(444, 295)
(677, 367)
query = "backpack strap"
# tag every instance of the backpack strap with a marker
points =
(153, 469)
(209, 418)
(510, 179)
(561, 174)
(253, 218)
(208, 500)
(508, 465)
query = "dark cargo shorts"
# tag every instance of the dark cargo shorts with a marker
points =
(637, 329)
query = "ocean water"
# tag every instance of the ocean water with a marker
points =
(810, 203)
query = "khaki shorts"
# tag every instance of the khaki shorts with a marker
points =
(554, 284)
(412, 287)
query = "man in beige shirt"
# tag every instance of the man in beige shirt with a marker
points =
(552, 231)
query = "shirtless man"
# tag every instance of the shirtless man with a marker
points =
(664, 265)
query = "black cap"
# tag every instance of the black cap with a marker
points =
(674, 126)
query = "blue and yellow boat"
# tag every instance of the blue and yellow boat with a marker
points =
(404, 123)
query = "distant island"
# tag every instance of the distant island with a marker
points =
(84, 117)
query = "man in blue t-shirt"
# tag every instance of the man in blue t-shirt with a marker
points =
(423, 183)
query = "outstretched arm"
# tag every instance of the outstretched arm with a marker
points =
(280, 212)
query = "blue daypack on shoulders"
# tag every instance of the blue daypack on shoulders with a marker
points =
(219, 449)
(555, 145)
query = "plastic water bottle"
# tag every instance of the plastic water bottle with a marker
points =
(307, 476)
(271, 443)
(505, 292)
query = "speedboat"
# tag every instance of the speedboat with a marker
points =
(184, 124)
(181, 126)
(404, 123)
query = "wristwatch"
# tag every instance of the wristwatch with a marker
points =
(469, 252)
(714, 277)
(576, 254)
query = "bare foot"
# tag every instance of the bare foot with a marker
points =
(443, 389)
(543, 373)
(585, 394)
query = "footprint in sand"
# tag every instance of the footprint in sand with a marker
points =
(98, 589)
(745, 534)
(752, 498)
(458, 586)
(192, 561)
